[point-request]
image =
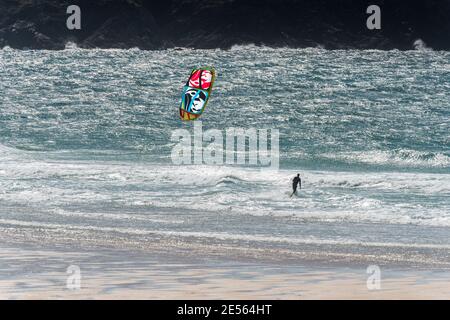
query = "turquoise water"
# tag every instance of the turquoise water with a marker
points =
(85, 147)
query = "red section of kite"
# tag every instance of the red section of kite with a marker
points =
(201, 76)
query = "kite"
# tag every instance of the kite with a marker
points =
(196, 93)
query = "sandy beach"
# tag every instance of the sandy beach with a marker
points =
(36, 273)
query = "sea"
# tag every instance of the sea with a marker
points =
(86, 141)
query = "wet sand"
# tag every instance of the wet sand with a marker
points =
(39, 273)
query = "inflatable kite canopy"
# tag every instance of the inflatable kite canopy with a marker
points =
(196, 93)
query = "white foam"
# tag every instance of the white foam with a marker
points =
(325, 195)
(71, 46)
(420, 45)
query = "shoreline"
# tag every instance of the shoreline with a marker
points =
(249, 249)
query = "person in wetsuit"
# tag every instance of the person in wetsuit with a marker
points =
(296, 182)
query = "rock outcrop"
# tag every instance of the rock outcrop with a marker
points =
(158, 24)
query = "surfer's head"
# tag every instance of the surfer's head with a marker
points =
(298, 174)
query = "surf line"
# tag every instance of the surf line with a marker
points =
(232, 146)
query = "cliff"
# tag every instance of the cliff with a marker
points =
(157, 24)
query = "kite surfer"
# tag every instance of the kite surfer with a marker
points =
(296, 182)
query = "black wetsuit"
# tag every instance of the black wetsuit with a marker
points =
(295, 182)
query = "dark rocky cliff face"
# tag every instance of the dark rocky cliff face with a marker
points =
(158, 24)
